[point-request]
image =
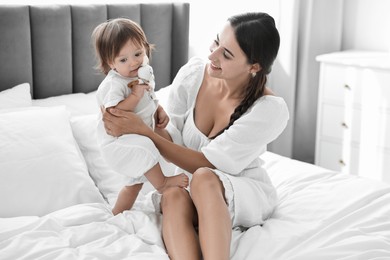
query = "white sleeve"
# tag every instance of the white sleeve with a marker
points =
(114, 95)
(182, 95)
(244, 141)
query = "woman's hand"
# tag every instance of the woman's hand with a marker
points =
(119, 122)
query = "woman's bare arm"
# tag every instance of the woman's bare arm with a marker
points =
(163, 133)
(185, 158)
(119, 122)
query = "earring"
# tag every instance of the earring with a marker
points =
(253, 74)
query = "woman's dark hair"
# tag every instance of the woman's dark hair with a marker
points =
(259, 39)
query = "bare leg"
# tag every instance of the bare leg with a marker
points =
(126, 198)
(215, 227)
(178, 230)
(161, 182)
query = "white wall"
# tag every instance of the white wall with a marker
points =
(207, 19)
(366, 25)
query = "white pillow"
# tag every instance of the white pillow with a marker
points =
(18, 96)
(107, 180)
(76, 103)
(42, 169)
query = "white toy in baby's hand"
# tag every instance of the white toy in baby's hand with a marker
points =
(145, 75)
(145, 72)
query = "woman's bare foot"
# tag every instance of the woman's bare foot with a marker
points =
(180, 180)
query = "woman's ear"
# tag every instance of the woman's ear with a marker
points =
(255, 68)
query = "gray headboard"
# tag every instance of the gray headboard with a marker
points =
(49, 46)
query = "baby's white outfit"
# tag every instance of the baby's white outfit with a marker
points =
(131, 155)
(249, 193)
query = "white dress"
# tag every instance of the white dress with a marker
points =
(130, 155)
(249, 193)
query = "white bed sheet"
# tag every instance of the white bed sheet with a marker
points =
(84, 231)
(320, 215)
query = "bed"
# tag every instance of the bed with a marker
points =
(56, 191)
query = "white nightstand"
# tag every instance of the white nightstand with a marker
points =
(353, 118)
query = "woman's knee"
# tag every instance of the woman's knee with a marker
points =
(204, 180)
(174, 198)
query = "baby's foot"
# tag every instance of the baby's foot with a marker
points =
(180, 180)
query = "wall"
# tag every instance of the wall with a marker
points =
(206, 20)
(366, 25)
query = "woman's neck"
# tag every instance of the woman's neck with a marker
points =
(232, 89)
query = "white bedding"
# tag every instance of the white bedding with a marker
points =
(320, 215)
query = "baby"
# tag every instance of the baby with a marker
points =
(122, 50)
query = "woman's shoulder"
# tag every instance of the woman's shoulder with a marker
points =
(266, 118)
(270, 106)
(194, 65)
(190, 75)
(197, 61)
(268, 109)
(272, 102)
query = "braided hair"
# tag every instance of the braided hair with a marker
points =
(259, 39)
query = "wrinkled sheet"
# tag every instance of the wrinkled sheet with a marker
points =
(320, 215)
(85, 231)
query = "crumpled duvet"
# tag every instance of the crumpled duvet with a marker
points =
(320, 215)
(85, 231)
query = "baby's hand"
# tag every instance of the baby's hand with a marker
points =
(138, 89)
(162, 118)
(131, 84)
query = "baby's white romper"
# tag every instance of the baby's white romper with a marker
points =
(130, 155)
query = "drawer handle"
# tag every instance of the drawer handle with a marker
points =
(347, 86)
(341, 161)
(343, 124)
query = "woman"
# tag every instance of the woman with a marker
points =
(222, 118)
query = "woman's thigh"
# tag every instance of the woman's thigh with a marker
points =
(208, 184)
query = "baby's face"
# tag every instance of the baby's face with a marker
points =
(129, 60)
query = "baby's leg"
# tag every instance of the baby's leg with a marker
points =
(126, 198)
(160, 182)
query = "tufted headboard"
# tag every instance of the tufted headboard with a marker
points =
(50, 47)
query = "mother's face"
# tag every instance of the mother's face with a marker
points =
(227, 60)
